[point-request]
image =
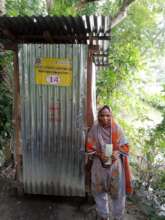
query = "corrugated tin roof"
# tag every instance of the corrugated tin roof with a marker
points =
(54, 29)
(91, 30)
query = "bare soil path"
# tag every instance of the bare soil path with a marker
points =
(31, 207)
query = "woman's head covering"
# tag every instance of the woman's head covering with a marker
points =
(100, 109)
(101, 121)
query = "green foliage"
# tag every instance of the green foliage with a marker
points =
(24, 7)
(136, 45)
(64, 8)
(159, 180)
(5, 101)
(124, 59)
(72, 7)
(88, 9)
(130, 40)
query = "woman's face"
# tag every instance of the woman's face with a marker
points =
(104, 117)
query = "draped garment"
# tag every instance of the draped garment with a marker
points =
(117, 178)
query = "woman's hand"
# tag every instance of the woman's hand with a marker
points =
(115, 155)
(102, 156)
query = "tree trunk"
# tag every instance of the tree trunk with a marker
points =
(2, 7)
(50, 5)
(122, 12)
(119, 16)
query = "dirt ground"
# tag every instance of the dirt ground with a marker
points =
(30, 207)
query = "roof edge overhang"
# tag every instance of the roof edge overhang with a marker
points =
(91, 30)
(54, 29)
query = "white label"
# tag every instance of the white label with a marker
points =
(53, 79)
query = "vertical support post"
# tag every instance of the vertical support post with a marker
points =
(17, 115)
(90, 111)
(89, 108)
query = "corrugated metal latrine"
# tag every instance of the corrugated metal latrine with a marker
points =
(52, 123)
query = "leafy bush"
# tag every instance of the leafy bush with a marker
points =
(5, 102)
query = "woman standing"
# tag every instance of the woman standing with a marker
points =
(109, 175)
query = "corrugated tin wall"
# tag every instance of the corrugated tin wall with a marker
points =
(52, 123)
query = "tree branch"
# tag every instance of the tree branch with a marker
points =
(122, 13)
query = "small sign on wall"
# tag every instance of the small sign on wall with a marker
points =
(53, 71)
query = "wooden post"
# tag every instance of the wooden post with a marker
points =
(89, 109)
(90, 76)
(17, 115)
